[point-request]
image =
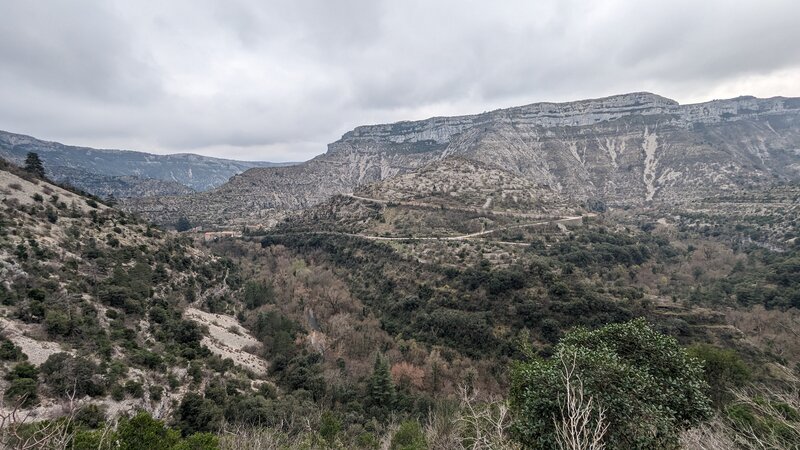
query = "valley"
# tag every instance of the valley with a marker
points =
(413, 276)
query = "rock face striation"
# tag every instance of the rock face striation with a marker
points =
(94, 170)
(633, 149)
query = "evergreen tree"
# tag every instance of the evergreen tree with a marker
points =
(34, 166)
(646, 384)
(381, 388)
(183, 224)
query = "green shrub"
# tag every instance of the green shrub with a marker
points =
(648, 386)
(117, 392)
(183, 224)
(143, 431)
(64, 374)
(409, 437)
(10, 352)
(330, 426)
(57, 323)
(91, 416)
(723, 369)
(23, 370)
(197, 415)
(134, 389)
(23, 391)
(257, 294)
(156, 393)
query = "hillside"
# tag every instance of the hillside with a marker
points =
(123, 186)
(105, 309)
(628, 150)
(124, 173)
(453, 199)
(463, 183)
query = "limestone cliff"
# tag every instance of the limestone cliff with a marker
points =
(631, 149)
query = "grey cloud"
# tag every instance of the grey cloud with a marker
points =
(280, 79)
(76, 48)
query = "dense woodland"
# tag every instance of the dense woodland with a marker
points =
(651, 335)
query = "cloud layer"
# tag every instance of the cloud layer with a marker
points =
(277, 80)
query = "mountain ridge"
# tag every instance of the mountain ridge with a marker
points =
(627, 150)
(196, 172)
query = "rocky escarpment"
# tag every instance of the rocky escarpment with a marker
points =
(90, 168)
(632, 149)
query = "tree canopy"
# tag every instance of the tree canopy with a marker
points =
(34, 165)
(642, 383)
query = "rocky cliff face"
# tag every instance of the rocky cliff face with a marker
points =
(90, 168)
(631, 149)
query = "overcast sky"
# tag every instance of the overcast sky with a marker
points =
(278, 80)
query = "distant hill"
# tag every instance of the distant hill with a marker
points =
(93, 170)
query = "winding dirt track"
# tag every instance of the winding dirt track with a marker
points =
(562, 220)
(453, 208)
(471, 235)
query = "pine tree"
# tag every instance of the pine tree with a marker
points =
(183, 224)
(34, 166)
(381, 388)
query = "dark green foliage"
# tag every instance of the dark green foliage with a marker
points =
(22, 391)
(156, 393)
(24, 383)
(257, 294)
(330, 426)
(770, 421)
(33, 165)
(197, 414)
(23, 370)
(277, 332)
(409, 437)
(183, 224)
(64, 374)
(91, 416)
(302, 373)
(117, 392)
(648, 386)
(144, 432)
(51, 214)
(58, 323)
(723, 369)
(767, 278)
(134, 389)
(381, 393)
(10, 352)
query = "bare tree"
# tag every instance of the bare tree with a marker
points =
(582, 424)
(52, 434)
(475, 425)
(776, 429)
